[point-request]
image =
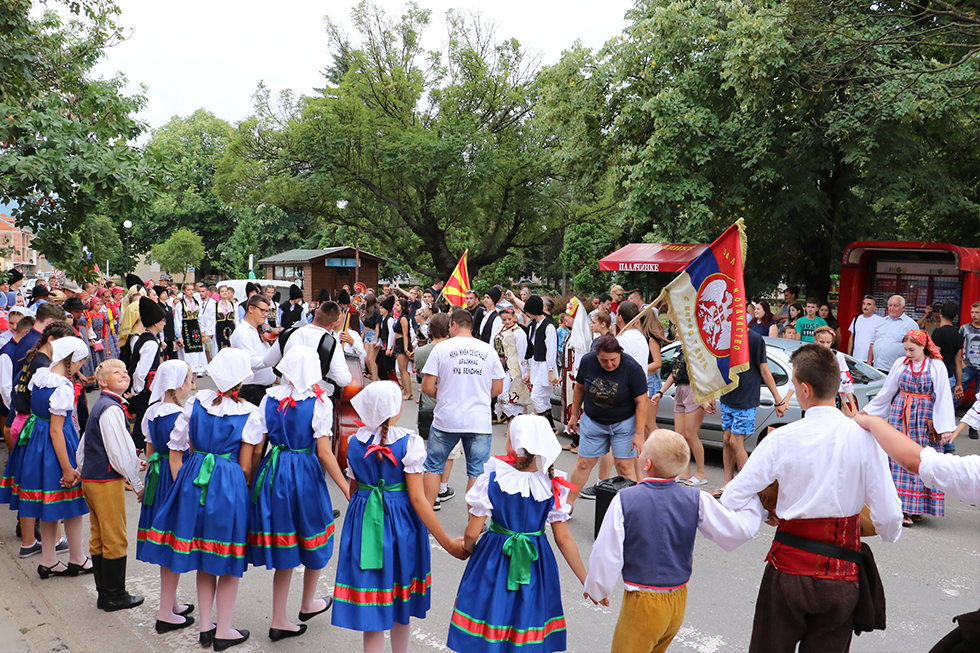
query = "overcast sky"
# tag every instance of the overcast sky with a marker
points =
(203, 53)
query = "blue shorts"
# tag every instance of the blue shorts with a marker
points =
(369, 336)
(740, 421)
(654, 383)
(476, 447)
(596, 439)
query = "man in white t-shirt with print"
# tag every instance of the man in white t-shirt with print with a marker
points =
(469, 372)
(863, 330)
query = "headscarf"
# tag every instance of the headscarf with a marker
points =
(301, 367)
(62, 348)
(170, 376)
(531, 434)
(229, 368)
(379, 401)
(922, 338)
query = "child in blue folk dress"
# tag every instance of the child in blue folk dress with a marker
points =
(202, 524)
(509, 597)
(50, 485)
(383, 563)
(168, 391)
(290, 517)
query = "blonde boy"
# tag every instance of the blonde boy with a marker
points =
(648, 535)
(106, 460)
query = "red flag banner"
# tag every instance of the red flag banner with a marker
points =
(458, 284)
(708, 305)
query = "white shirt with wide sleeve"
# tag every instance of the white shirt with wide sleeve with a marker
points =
(246, 337)
(827, 466)
(322, 410)
(943, 416)
(729, 529)
(957, 476)
(146, 354)
(118, 446)
(414, 458)
(310, 335)
(252, 433)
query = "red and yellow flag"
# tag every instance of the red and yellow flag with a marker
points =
(458, 284)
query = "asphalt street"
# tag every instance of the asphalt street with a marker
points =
(930, 575)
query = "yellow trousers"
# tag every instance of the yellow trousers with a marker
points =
(107, 506)
(648, 621)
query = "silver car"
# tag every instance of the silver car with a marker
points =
(867, 383)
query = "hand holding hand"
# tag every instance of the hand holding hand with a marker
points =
(604, 601)
(70, 477)
(457, 550)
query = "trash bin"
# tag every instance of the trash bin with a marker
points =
(604, 493)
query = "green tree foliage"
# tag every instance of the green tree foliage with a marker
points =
(193, 146)
(63, 136)
(92, 245)
(704, 111)
(182, 251)
(433, 152)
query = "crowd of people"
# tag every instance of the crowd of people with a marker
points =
(237, 476)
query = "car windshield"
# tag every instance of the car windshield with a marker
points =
(862, 373)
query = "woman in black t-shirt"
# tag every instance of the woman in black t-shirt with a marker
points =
(611, 398)
(688, 416)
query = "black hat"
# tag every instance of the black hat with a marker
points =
(15, 276)
(295, 292)
(250, 288)
(276, 297)
(74, 304)
(343, 298)
(534, 305)
(324, 296)
(39, 291)
(133, 280)
(150, 312)
(495, 294)
(388, 303)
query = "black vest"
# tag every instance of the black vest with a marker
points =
(488, 321)
(21, 394)
(134, 359)
(96, 466)
(290, 314)
(537, 339)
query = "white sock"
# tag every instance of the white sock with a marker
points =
(443, 487)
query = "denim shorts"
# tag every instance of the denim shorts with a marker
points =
(596, 439)
(369, 336)
(969, 376)
(740, 421)
(654, 383)
(476, 446)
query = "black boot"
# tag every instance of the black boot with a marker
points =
(114, 586)
(97, 572)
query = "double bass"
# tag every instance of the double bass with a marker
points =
(345, 419)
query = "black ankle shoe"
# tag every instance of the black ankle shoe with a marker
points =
(166, 626)
(186, 611)
(275, 634)
(207, 637)
(45, 572)
(222, 644)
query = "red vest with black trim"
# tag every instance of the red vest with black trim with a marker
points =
(660, 520)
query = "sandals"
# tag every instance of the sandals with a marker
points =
(907, 521)
(76, 570)
(45, 572)
(917, 519)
